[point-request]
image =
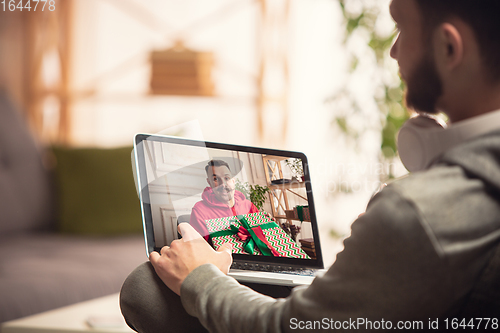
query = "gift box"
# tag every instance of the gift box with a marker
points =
(308, 246)
(255, 234)
(289, 214)
(302, 213)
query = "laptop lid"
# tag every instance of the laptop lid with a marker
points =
(199, 182)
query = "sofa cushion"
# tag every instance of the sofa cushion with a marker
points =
(25, 187)
(95, 191)
(44, 271)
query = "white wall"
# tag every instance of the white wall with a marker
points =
(111, 53)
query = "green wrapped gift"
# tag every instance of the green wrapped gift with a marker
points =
(255, 234)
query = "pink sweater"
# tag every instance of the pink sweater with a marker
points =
(211, 208)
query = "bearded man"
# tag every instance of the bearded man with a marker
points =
(425, 254)
(219, 199)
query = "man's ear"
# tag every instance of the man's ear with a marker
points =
(449, 46)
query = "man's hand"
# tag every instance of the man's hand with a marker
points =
(174, 263)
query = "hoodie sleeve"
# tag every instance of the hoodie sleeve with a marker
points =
(253, 209)
(388, 271)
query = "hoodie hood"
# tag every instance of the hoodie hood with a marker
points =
(479, 157)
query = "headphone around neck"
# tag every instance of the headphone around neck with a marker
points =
(424, 138)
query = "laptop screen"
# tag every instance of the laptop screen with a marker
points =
(257, 199)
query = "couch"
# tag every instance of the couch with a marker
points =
(70, 225)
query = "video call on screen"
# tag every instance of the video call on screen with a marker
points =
(257, 202)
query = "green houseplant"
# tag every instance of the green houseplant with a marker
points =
(295, 166)
(255, 193)
(362, 22)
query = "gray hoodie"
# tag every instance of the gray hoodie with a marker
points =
(414, 257)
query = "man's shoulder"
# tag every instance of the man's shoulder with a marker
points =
(439, 181)
(453, 207)
(458, 178)
(440, 192)
(200, 206)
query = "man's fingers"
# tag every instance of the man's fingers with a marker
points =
(187, 231)
(226, 263)
(153, 257)
(164, 249)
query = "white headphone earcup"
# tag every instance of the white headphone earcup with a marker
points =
(423, 139)
(416, 142)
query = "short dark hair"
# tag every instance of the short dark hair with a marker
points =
(216, 163)
(482, 15)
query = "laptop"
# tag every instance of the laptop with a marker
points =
(258, 199)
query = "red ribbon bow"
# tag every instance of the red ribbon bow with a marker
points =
(243, 234)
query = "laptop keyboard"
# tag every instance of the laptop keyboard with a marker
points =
(274, 268)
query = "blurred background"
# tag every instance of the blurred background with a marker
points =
(306, 75)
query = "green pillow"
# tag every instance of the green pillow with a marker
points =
(96, 192)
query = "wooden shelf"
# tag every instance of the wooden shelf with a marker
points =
(279, 194)
(275, 158)
(288, 218)
(288, 186)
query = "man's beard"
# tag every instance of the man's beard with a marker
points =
(424, 86)
(224, 193)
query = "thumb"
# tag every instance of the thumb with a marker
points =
(226, 247)
(225, 260)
